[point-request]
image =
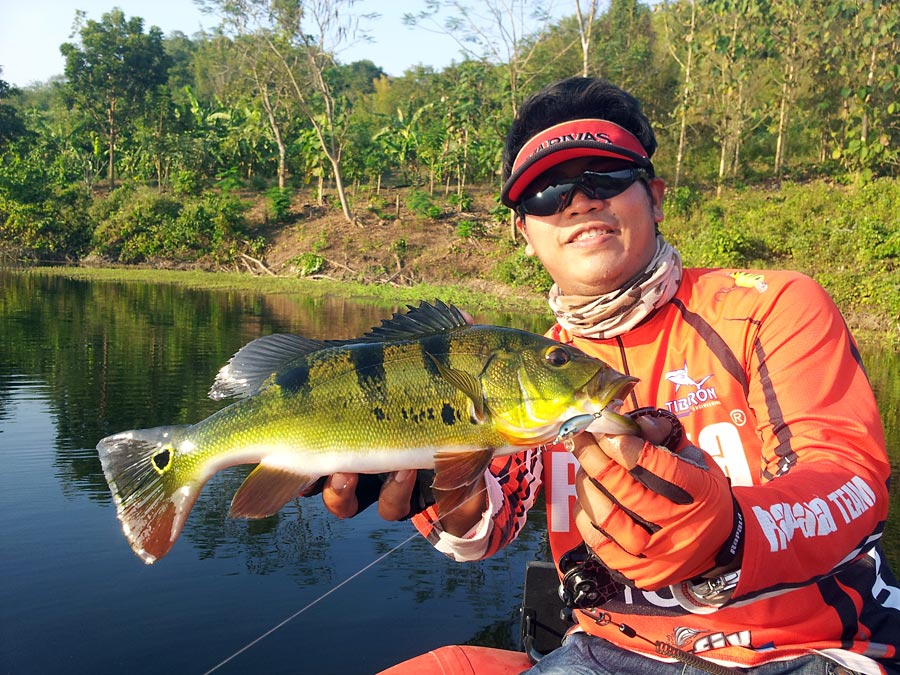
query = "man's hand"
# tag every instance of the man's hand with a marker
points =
(342, 498)
(655, 516)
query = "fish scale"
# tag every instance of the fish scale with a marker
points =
(424, 390)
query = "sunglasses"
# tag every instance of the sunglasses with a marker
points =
(596, 185)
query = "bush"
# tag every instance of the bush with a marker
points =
(421, 204)
(721, 245)
(278, 203)
(308, 264)
(681, 201)
(187, 182)
(40, 216)
(134, 225)
(519, 269)
(469, 229)
(462, 202)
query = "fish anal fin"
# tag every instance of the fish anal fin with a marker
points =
(266, 490)
(466, 383)
(456, 476)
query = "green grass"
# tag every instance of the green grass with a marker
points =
(385, 295)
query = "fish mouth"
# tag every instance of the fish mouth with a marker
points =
(609, 386)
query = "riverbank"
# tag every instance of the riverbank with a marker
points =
(406, 245)
(478, 296)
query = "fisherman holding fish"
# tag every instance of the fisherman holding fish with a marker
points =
(741, 525)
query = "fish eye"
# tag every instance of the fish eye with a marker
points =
(557, 356)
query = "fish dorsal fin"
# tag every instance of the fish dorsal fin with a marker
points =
(426, 319)
(249, 369)
(466, 383)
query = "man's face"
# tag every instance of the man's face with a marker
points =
(593, 246)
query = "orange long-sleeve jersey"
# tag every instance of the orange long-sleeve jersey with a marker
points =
(765, 377)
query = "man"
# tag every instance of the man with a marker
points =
(743, 526)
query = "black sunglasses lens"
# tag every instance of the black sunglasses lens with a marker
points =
(596, 185)
(550, 200)
(606, 185)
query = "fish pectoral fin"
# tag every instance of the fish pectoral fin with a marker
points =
(456, 476)
(466, 383)
(266, 490)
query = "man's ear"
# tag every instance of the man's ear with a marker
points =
(657, 190)
(520, 225)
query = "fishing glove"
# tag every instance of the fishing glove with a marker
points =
(672, 516)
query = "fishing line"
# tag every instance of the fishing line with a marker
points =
(564, 436)
(314, 602)
(333, 589)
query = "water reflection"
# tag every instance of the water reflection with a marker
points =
(79, 361)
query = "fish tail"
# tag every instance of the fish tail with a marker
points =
(152, 501)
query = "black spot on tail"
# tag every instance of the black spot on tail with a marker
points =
(162, 460)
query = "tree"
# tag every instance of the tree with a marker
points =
(504, 33)
(304, 36)
(686, 34)
(733, 37)
(111, 73)
(863, 42)
(12, 126)
(585, 28)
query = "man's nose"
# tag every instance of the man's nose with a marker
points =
(582, 198)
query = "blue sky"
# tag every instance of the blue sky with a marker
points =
(32, 30)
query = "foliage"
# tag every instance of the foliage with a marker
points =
(308, 263)
(681, 201)
(520, 270)
(39, 216)
(776, 91)
(462, 202)
(422, 205)
(846, 237)
(278, 203)
(137, 224)
(469, 229)
(112, 72)
(717, 244)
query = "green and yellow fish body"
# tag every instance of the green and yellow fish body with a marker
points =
(424, 390)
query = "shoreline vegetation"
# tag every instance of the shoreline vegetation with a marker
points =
(253, 149)
(845, 235)
(469, 299)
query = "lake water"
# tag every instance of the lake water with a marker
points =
(79, 361)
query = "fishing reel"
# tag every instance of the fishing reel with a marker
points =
(586, 581)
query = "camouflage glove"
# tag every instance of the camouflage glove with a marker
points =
(656, 515)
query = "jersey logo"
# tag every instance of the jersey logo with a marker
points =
(744, 280)
(702, 396)
(681, 378)
(750, 280)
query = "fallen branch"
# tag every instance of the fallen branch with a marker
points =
(265, 269)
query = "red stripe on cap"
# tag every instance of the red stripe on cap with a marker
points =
(573, 139)
(599, 131)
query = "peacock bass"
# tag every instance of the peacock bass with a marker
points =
(424, 390)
